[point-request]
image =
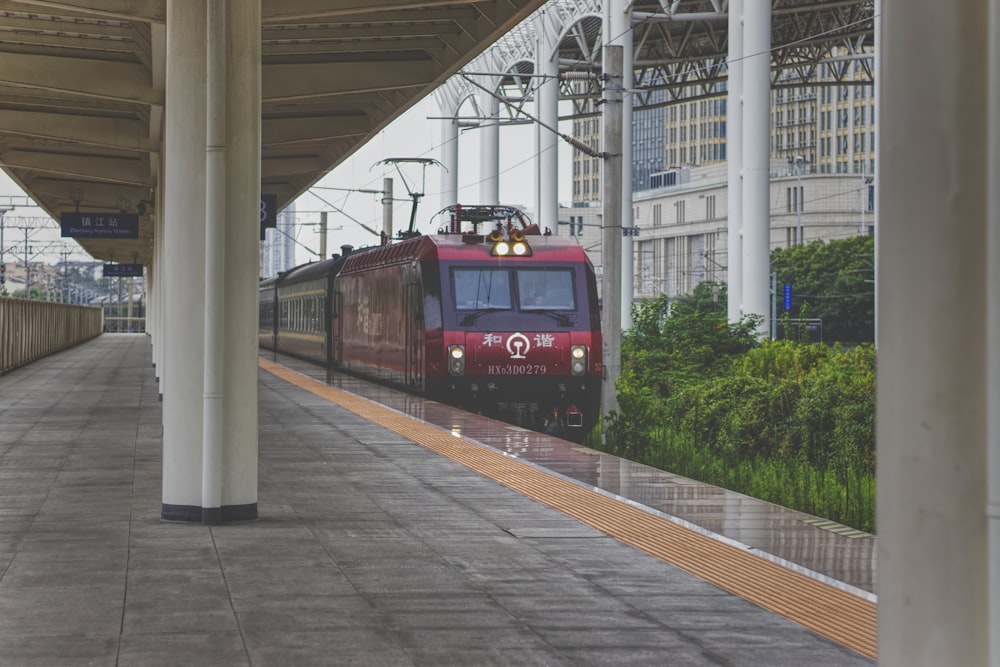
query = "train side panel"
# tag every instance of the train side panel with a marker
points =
(302, 320)
(293, 311)
(379, 321)
(266, 313)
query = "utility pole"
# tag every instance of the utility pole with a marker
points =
(387, 208)
(64, 293)
(774, 305)
(415, 195)
(3, 273)
(611, 255)
(128, 307)
(27, 267)
(322, 235)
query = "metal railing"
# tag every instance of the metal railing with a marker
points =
(30, 330)
(124, 324)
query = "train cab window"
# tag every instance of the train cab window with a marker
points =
(476, 289)
(545, 289)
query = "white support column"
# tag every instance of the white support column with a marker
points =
(155, 290)
(156, 276)
(162, 280)
(993, 336)
(619, 31)
(489, 173)
(756, 160)
(933, 378)
(734, 157)
(547, 143)
(184, 254)
(875, 110)
(149, 288)
(242, 250)
(449, 157)
(215, 264)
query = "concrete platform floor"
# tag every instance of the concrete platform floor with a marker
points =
(370, 550)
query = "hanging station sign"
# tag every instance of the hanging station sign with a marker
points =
(99, 225)
(268, 213)
(122, 270)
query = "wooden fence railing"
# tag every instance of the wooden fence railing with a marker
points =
(30, 330)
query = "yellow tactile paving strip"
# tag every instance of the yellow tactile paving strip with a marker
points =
(834, 527)
(838, 615)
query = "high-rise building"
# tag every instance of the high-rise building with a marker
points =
(279, 244)
(826, 124)
(822, 160)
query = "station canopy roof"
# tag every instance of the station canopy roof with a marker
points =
(82, 81)
(82, 91)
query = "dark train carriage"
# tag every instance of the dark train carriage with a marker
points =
(505, 323)
(300, 310)
(267, 307)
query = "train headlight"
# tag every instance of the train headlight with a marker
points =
(456, 359)
(578, 362)
(517, 248)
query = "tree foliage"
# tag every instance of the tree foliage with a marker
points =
(690, 337)
(788, 422)
(832, 281)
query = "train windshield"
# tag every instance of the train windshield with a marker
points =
(477, 289)
(545, 289)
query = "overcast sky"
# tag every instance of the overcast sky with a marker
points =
(416, 134)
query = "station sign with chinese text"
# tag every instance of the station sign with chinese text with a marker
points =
(122, 270)
(99, 225)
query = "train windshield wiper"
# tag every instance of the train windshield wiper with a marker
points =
(470, 318)
(562, 318)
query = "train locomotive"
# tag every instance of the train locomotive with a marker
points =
(487, 314)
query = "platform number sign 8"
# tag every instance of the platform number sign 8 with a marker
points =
(268, 213)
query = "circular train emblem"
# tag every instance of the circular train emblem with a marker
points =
(518, 345)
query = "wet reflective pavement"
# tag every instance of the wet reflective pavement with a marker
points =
(769, 530)
(370, 548)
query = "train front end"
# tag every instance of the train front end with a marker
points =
(521, 334)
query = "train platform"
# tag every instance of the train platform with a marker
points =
(383, 539)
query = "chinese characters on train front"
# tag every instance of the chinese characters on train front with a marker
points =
(100, 225)
(517, 346)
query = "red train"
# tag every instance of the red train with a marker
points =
(487, 314)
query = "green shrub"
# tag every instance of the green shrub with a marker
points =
(785, 422)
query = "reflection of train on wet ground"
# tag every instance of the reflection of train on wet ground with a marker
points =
(496, 318)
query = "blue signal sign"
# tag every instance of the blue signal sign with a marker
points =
(788, 296)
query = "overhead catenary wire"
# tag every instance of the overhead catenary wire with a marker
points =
(569, 75)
